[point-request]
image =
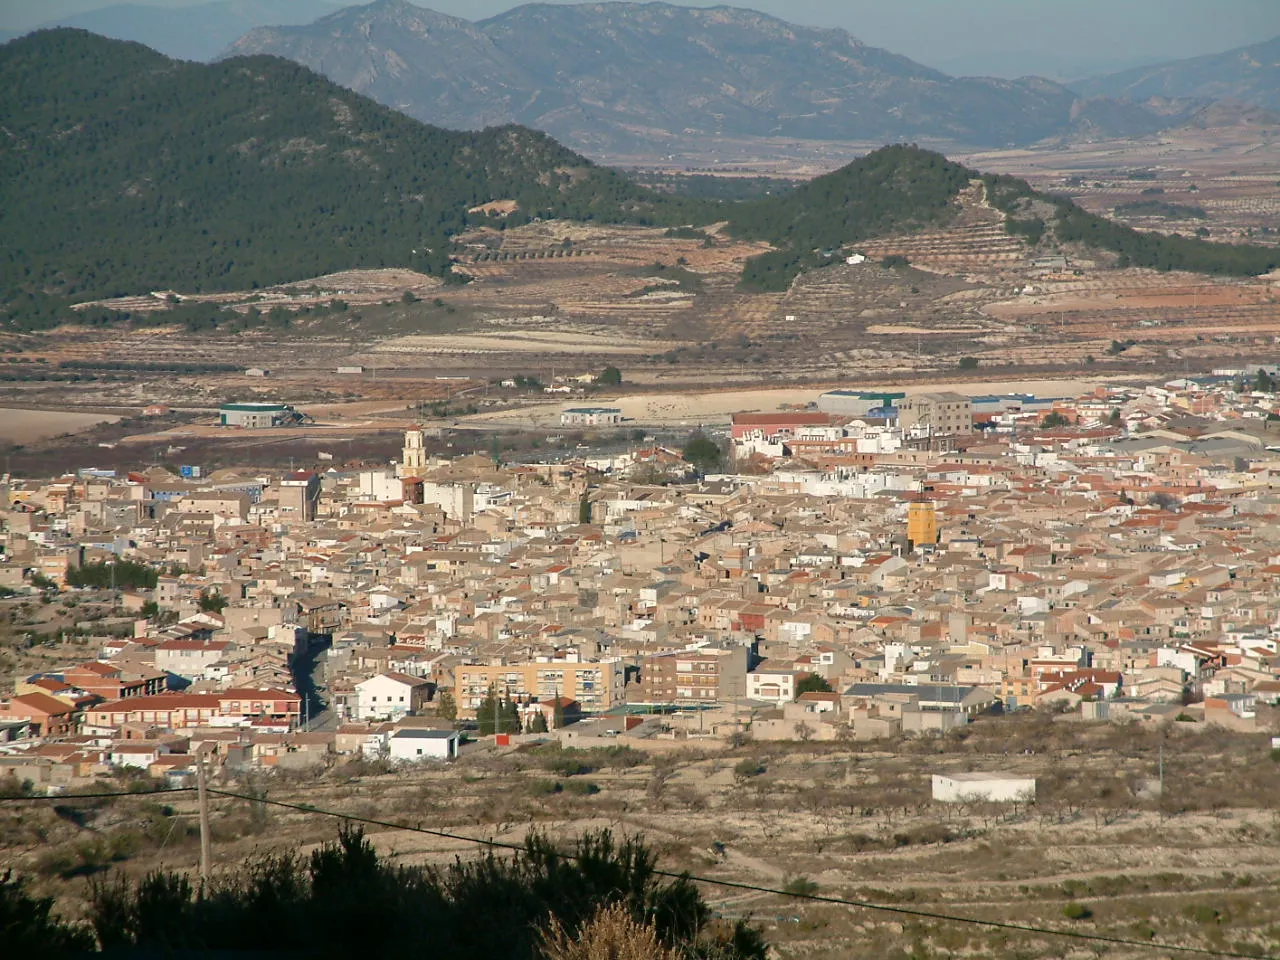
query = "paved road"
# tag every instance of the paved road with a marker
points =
(308, 675)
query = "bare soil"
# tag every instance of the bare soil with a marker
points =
(19, 426)
(1198, 865)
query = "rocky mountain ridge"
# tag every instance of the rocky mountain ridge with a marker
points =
(615, 77)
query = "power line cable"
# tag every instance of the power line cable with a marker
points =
(713, 881)
(738, 885)
(99, 796)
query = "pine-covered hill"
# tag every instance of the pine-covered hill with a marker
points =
(895, 189)
(901, 188)
(1072, 224)
(126, 171)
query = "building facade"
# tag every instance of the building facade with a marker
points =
(413, 456)
(415, 745)
(184, 710)
(597, 685)
(776, 426)
(922, 523)
(692, 676)
(997, 787)
(591, 416)
(390, 696)
(936, 414)
(855, 403)
(256, 416)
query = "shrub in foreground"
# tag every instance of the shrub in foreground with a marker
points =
(1076, 911)
(29, 928)
(344, 901)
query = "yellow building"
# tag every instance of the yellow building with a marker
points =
(596, 685)
(922, 523)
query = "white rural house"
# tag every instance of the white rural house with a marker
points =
(969, 787)
(139, 754)
(390, 696)
(773, 683)
(414, 744)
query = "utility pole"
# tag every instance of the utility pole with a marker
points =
(203, 795)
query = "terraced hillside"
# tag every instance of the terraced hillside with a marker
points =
(975, 244)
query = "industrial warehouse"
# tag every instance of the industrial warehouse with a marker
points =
(259, 416)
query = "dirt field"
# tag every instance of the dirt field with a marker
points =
(715, 407)
(354, 287)
(1187, 300)
(524, 341)
(24, 426)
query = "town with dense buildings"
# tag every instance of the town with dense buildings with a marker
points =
(874, 565)
(640, 481)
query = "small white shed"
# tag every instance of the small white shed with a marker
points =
(968, 787)
(412, 744)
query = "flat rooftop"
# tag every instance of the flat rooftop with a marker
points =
(982, 776)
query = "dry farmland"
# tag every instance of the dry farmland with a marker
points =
(23, 426)
(552, 298)
(1197, 864)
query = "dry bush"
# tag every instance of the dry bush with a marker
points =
(611, 934)
(664, 768)
(688, 797)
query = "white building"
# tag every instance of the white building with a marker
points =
(1181, 658)
(776, 685)
(880, 440)
(191, 658)
(139, 754)
(457, 500)
(997, 787)
(415, 745)
(591, 416)
(390, 696)
(253, 415)
(380, 485)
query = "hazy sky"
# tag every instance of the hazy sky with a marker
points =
(1004, 37)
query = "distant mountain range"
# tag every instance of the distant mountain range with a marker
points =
(199, 32)
(652, 78)
(1248, 75)
(609, 77)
